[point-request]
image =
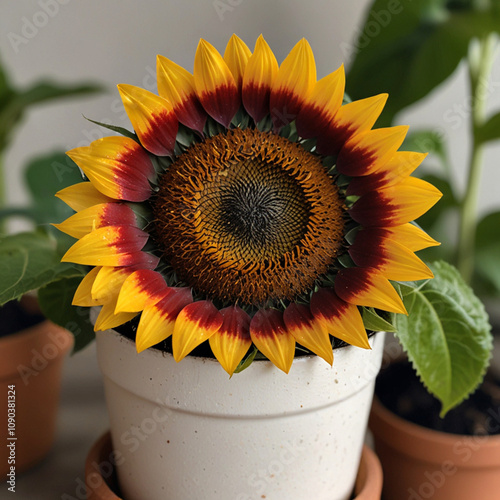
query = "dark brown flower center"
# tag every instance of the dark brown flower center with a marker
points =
(248, 217)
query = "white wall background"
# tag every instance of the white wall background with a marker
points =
(115, 41)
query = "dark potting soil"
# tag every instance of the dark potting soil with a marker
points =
(13, 318)
(400, 390)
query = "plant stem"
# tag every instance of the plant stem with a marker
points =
(479, 70)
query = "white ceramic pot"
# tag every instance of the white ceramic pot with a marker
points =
(189, 432)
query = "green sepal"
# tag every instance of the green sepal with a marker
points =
(120, 130)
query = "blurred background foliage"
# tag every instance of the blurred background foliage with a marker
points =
(409, 58)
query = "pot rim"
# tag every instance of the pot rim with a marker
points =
(154, 375)
(429, 445)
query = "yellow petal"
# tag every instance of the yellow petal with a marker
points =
(196, 323)
(411, 236)
(108, 282)
(83, 295)
(341, 319)
(215, 84)
(308, 331)
(82, 195)
(260, 73)
(236, 57)
(108, 246)
(142, 287)
(117, 166)
(107, 318)
(152, 117)
(104, 214)
(158, 318)
(293, 84)
(176, 85)
(232, 341)
(322, 104)
(367, 152)
(270, 336)
(367, 287)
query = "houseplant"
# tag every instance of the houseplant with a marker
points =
(254, 210)
(457, 456)
(31, 348)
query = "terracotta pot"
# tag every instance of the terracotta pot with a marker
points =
(30, 375)
(100, 474)
(259, 434)
(421, 463)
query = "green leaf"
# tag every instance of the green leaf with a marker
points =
(40, 92)
(44, 176)
(55, 301)
(375, 322)
(28, 261)
(490, 131)
(408, 48)
(446, 335)
(487, 253)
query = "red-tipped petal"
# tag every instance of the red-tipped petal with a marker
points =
(232, 341)
(341, 319)
(176, 85)
(152, 117)
(270, 336)
(196, 323)
(260, 72)
(320, 107)
(215, 85)
(293, 84)
(102, 215)
(367, 152)
(373, 248)
(142, 287)
(117, 166)
(395, 205)
(352, 118)
(158, 317)
(367, 287)
(308, 331)
(396, 170)
(108, 246)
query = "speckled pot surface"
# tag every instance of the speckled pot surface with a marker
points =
(187, 431)
(100, 474)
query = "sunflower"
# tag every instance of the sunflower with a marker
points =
(251, 206)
